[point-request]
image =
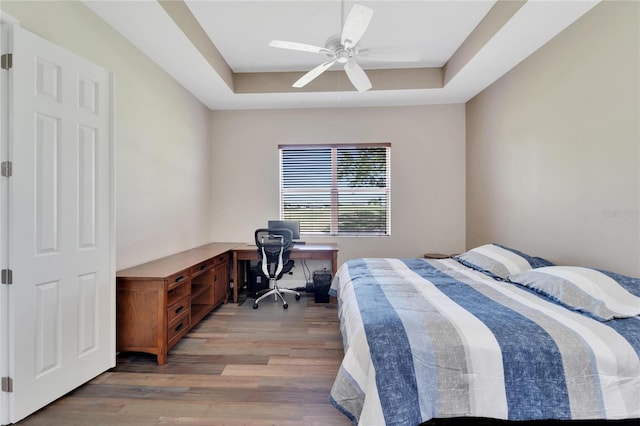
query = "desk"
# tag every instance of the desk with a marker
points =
(298, 252)
(160, 301)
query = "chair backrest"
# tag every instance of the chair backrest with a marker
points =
(273, 246)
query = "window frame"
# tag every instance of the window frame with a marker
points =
(335, 189)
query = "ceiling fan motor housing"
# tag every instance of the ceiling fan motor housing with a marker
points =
(343, 54)
(340, 53)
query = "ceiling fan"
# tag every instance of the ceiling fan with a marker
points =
(342, 50)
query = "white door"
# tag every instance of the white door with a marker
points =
(61, 303)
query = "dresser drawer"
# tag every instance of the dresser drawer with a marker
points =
(201, 267)
(221, 259)
(178, 308)
(178, 327)
(178, 278)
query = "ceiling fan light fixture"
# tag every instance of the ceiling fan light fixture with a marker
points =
(343, 55)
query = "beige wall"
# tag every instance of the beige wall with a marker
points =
(162, 135)
(552, 151)
(427, 171)
(186, 175)
(553, 147)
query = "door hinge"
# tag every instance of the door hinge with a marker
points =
(7, 276)
(6, 61)
(7, 168)
(7, 384)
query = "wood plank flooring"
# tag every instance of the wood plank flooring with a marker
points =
(239, 366)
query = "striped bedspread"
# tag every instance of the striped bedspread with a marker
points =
(430, 339)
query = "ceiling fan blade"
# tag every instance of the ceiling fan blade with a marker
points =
(306, 79)
(292, 45)
(357, 76)
(355, 25)
(388, 55)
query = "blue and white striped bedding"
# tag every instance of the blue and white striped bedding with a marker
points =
(430, 339)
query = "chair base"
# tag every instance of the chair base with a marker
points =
(277, 293)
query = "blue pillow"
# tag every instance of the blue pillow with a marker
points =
(499, 261)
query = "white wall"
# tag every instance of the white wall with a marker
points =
(162, 135)
(427, 171)
(553, 147)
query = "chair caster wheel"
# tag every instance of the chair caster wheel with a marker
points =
(285, 306)
(297, 297)
(255, 306)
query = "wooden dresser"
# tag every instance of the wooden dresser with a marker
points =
(159, 301)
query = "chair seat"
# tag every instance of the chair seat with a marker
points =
(285, 269)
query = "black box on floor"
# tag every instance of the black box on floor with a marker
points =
(257, 281)
(321, 284)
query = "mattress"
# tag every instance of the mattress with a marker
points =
(427, 338)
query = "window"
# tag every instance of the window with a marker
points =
(336, 189)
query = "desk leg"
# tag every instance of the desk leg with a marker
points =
(236, 277)
(334, 263)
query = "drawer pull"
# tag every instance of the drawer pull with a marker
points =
(179, 327)
(179, 278)
(179, 309)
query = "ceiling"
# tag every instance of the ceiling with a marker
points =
(218, 50)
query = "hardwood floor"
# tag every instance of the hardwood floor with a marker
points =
(239, 366)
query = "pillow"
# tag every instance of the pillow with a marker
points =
(632, 285)
(588, 290)
(499, 261)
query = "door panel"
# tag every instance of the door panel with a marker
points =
(87, 151)
(48, 344)
(47, 137)
(88, 320)
(60, 210)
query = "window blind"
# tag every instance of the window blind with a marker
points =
(336, 189)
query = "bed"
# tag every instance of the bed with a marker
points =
(476, 337)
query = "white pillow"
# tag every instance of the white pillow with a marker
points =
(582, 289)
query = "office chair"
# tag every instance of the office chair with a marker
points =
(273, 247)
